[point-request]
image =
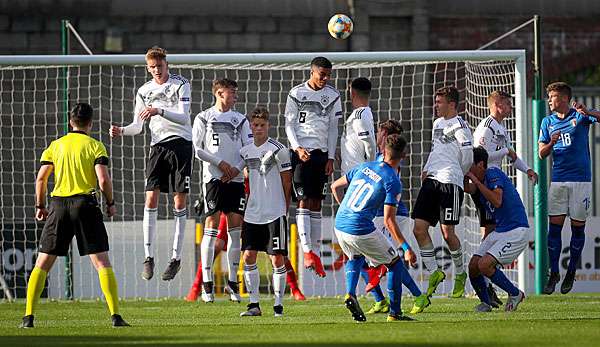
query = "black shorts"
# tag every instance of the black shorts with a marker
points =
(224, 197)
(438, 202)
(170, 166)
(78, 216)
(271, 238)
(309, 177)
(485, 217)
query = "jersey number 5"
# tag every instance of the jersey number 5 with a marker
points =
(215, 139)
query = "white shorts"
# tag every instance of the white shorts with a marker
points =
(374, 246)
(405, 223)
(506, 246)
(570, 198)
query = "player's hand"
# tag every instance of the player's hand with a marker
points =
(410, 257)
(512, 154)
(329, 167)
(423, 176)
(111, 210)
(234, 172)
(41, 213)
(115, 131)
(472, 177)
(579, 107)
(554, 138)
(149, 112)
(533, 177)
(303, 154)
(226, 169)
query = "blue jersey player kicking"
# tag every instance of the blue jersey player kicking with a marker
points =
(564, 134)
(371, 185)
(503, 245)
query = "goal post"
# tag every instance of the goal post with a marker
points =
(403, 87)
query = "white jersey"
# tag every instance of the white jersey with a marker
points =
(494, 138)
(357, 129)
(219, 136)
(266, 201)
(451, 151)
(173, 98)
(309, 114)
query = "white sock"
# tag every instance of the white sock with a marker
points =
(304, 225)
(316, 232)
(207, 253)
(458, 260)
(233, 253)
(180, 218)
(428, 257)
(149, 228)
(252, 279)
(279, 274)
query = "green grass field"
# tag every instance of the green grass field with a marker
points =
(558, 320)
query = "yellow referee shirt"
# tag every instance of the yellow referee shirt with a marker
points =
(74, 157)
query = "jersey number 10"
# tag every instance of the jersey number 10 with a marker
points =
(360, 195)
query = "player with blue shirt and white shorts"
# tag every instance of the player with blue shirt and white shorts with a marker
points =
(503, 245)
(371, 185)
(565, 135)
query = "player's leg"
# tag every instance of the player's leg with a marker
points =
(277, 249)
(180, 213)
(488, 225)
(579, 209)
(212, 208)
(451, 201)
(196, 288)
(252, 281)
(292, 281)
(149, 229)
(279, 273)
(352, 271)
(478, 280)
(558, 207)
(235, 215)
(381, 304)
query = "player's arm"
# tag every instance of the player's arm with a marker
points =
(493, 196)
(520, 164)
(546, 140)
(363, 128)
(465, 145)
(136, 126)
(484, 138)
(182, 115)
(581, 108)
(41, 187)
(282, 157)
(332, 135)
(106, 186)
(337, 188)
(291, 119)
(470, 187)
(389, 220)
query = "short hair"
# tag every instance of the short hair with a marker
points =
(497, 95)
(259, 112)
(395, 145)
(480, 155)
(156, 53)
(362, 86)
(81, 114)
(223, 83)
(321, 62)
(450, 93)
(561, 87)
(391, 126)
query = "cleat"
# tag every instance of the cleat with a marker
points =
(278, 311)
(148, 272)
(435, 279)
(567, 283)
(354, 308)
(297, 294)
(382, 306)
(375, 275)
(233, 289)
(459, 286)
(552, 282)
(495, 300)
(27, 322)
(421, 302)
(207, 292)
(253, 311)
(398, 317)
(483, 307)
(513, 302)
(118, 321)
(171, 270)
(313, 262)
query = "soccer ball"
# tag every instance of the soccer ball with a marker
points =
(340, 26)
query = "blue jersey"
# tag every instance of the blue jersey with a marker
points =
(372, 185)
(402, 210)
(571, 153)
(511, 214)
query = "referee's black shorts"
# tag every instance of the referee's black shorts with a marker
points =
(78, 216)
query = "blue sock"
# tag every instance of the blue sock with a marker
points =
(408, 281)
(499, 279)
(353, 267)
(377, 292)
(394, 287)
(554, 245)
(576, 246)
(478, 283)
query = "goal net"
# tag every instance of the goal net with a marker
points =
(37, 90)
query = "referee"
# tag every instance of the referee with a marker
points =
(78, 161)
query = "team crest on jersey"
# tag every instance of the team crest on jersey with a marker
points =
(324, 99)
(482, 141)
(234, 121)
(300, 191)
(212, 204)
(574, 122)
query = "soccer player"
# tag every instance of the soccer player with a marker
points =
(265, 225)
(311, 117)
(371, 185)
(510, 237)
(164, 102)
(219, 133)
(441, 195)
(491, 134)
(564, 134)
(79, 164)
